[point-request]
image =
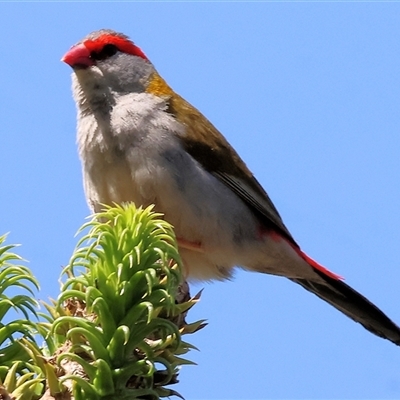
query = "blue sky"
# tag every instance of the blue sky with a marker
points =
(308, 94)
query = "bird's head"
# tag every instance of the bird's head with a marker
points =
(109, 60)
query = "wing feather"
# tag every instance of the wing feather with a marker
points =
(261, 204)
(209, 147)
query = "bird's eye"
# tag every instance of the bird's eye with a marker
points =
(107, 51)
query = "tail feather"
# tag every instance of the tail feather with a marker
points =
(354, 305)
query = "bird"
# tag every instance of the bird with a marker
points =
(141, 142)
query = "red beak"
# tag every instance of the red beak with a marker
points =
(78, 56)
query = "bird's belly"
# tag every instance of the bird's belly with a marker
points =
(213, 225)
(112, 184)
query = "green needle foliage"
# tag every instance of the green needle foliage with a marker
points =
(16, 369)
(115, 331)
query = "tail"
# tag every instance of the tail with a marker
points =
(350, 302)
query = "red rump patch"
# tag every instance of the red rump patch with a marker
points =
(124, 45)
(317, 266)
(276, 237)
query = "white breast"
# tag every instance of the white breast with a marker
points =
(138, 157)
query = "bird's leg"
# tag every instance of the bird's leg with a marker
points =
(194, 246)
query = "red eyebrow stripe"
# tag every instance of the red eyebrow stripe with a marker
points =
(124, 45)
